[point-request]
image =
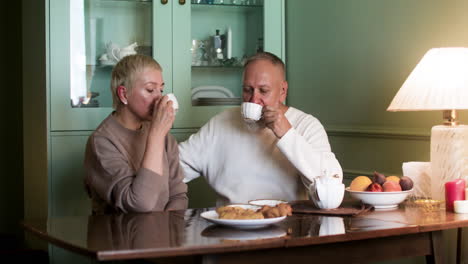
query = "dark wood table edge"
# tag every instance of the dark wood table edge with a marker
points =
(354, 251)
(433, 230)
(235, 247)
(59, 243)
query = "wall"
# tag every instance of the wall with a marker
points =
(347, 59)
(11, 187)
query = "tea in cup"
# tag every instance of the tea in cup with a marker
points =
(251, 112)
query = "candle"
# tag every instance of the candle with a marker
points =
(460, 207)
(454, 191)
(229, 43)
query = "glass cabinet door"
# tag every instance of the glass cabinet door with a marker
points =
(103, 32)
(200, 44)
(221, 36)
(88, 37)
(224, 34)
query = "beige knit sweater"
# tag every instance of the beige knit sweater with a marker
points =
(116, 182)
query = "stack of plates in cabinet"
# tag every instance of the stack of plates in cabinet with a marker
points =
(214, 95)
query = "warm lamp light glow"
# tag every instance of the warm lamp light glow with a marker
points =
(440, 82)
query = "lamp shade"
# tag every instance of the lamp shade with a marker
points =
(439, 82)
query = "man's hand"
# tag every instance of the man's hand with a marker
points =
(276, 121)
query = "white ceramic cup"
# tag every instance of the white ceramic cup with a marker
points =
(175, 104)
(251, 112)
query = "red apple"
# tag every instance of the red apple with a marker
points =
(375, 187)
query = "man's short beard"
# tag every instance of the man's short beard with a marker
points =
(255, 126)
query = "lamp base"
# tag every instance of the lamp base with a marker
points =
(449, 157)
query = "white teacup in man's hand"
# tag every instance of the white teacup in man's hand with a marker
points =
(251, 112)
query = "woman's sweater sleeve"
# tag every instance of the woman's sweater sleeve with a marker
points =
(114, 181)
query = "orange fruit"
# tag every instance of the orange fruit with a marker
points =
(360, 183)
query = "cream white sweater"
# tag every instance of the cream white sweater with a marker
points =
(242, 165)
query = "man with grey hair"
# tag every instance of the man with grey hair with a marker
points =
(264, 160)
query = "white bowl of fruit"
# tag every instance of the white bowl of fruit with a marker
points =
(381, 192)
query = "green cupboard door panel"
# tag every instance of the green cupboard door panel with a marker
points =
(274, 28)
(86, 38)
(162, 40)
(67, 193)
(63, 116)
(190, 116)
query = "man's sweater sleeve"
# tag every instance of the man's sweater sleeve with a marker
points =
(194, 153)
(307, 148)
(177, 188)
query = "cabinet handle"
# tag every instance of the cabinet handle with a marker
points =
(182, 2)
(163, 2)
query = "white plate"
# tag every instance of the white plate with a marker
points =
(236, 234)
(269, 202)
(213, 217)
(211, 92)
(108, 62)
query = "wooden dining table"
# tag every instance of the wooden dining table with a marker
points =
(186, 237)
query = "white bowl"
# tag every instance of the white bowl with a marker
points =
(380, 200)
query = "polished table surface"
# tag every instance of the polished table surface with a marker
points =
(186, 233)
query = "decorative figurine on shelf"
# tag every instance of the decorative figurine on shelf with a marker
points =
(114, 53)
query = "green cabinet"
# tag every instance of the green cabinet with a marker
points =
(200, 44)
(87, 37)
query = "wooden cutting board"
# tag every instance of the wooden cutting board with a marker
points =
(346, 209)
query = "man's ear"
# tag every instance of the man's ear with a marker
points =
(284, 91)
(122, 94)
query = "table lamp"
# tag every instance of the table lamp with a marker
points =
(440, 82)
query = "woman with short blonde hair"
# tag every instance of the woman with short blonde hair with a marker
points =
(131, 160)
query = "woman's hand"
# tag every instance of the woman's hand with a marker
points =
(163, 116)
(161, 123)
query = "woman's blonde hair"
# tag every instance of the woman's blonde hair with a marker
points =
(125, 71)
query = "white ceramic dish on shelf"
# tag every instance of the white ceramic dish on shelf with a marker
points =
(212, 91)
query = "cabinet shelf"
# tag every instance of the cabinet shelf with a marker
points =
(216, 67)
(133, 1)
(227, 5)
(207, 101)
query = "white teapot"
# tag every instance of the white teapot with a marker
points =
(326, 191)
(331, 225)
